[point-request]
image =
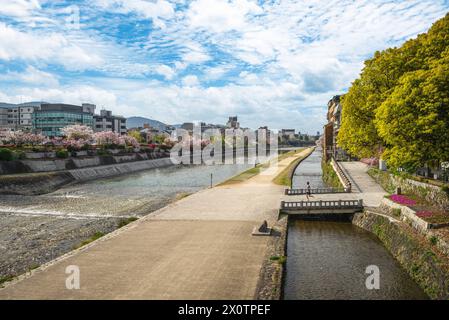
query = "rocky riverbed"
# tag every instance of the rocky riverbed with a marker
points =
(38, 229)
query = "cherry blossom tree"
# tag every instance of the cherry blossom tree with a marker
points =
(78, 132)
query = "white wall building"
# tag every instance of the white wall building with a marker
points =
(106, 121)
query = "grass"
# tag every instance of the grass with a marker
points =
(96, 236)
(279, 259)
(182, 195)
(330, 177)
(284, 178)
(248, 174)
(126, 221)
(6, 279)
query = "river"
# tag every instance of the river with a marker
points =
(328, 260)
(37, 229)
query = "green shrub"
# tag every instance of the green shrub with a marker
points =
(103, 152)
(433, 240)
(6, 154)
(20, 155)
(446, 190)
(397, 212)
(62, 153)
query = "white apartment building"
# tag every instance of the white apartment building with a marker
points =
(106, 121)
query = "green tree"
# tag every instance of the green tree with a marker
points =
(136, 134)
(399, 105)
(414, 120)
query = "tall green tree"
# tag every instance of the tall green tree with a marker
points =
(399, 104)
(414, 120)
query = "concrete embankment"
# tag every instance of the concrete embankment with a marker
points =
(45, 182)
(416, 254)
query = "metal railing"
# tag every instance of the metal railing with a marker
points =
(294, 192)
(323, 204)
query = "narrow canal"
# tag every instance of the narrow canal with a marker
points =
(328, 260)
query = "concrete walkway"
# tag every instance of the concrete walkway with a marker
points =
(363, 187)
(197, 248)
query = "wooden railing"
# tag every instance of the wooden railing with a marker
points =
(294, 192)
(323, 204)
(341, 175)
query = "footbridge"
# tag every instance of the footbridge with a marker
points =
(321, 209)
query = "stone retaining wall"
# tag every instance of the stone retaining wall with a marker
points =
(428, 267)
(429, 192)
(271, 277)
(51, 165)
(408, 215)
(41, 183)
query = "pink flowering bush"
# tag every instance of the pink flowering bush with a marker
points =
(131, 141)
(404, 200)
(78, 132)
(76, 145)
(424, 214)
(20, 138)
(108, 139)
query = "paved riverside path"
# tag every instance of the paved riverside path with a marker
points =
(197, 248)
(363, 187)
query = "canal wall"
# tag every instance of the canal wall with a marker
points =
(271, 276)
(427, 266)
(45, 182)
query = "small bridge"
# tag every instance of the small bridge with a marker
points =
(321, 208)
(295, 192)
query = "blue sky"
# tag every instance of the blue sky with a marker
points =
(274, 63)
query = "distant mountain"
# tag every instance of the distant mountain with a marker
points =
(135, 122)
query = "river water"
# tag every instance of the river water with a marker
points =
(129, 195)
(329, 260)
(37, 229)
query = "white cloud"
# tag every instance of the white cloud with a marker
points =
(165, 71)
(194, 53)
(31, 76)
(18, 8)
(221, 15)
(190, 81)
(155, 10)
(42, 47)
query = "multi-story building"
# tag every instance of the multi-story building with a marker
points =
(188, 126)
(26, 110)
(18, 116)
(288, 133)
(3, 115)
(106, 121)
(233, 123)
(48, 119)
(331, 129)
(51, 118)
